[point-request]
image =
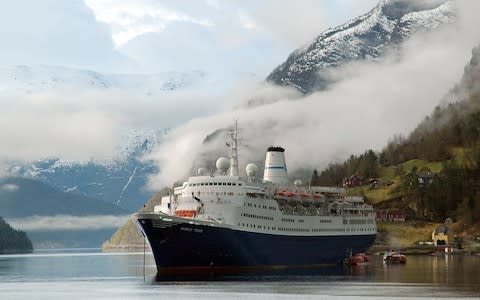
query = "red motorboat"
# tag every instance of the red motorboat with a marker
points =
(394, 257)
(358, 259)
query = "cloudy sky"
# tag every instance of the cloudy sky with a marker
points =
(236, 43)
(157, 35)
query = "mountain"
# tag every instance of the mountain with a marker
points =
(364, 38)
(13, 241)
(22, 197)
(121, 180)
(55, 219)
(23, 79)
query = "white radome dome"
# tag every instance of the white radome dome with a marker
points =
(251, 169)
(298, 182)
(222, 164)
(202, 171)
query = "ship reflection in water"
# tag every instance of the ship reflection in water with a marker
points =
(258, 273)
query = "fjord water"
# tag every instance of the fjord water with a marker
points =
(91, 274)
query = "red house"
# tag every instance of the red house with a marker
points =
(353, 181)
(390, 216)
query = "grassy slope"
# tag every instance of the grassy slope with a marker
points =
(404, 234)
(398, 234)
(411, 232)
(388, 174)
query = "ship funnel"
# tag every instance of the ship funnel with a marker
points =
(275, 167)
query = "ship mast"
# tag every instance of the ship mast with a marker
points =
(234, 154)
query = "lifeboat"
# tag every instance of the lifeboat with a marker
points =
(281, 193)
(393, 257)
(358, 259)
(317, 196)
(186, 213)
(305, 195)
(291, 194)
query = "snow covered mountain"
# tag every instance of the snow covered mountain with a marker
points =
(364, 38)
(122, 178)
(120, 181)
(31, 79)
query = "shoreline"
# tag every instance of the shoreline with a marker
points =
(373, 250)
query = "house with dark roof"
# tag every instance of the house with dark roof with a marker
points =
(425, 178)
(443, 235)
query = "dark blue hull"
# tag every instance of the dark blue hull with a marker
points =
(180, 245)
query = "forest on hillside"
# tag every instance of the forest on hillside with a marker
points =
(13, 241)
(450, 135)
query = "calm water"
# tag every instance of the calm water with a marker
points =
(90, 274)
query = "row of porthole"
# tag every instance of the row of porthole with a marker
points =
(259, 206)
(287, 229)
(359, 229)
(213, 183)
(216, 193)
(256, 226)
(294, 229)
(327, 229)
(257, 216)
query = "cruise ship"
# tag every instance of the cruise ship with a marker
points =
(219, 219)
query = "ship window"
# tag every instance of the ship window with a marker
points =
(240, 184)
(210, 183)
(229, 183)
(214, 183)
(234, 183)
(224, 183)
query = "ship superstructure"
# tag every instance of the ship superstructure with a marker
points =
(218, 219)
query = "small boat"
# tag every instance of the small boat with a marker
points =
(358, 259)
(394, 257)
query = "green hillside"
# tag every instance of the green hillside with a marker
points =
(13, 241)
(433, 173)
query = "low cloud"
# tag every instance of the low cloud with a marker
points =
(67, 222)
(81, 125)
(9, 187)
